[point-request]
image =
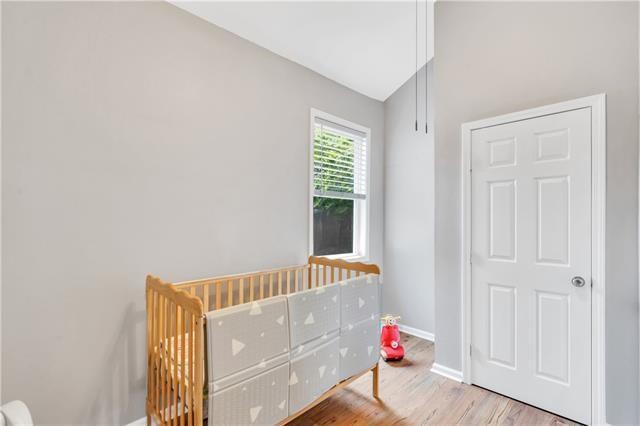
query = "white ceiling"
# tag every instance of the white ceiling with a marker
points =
(368, 46)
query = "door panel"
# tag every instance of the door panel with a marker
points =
(502, 325)
(553, 220)
(502, 211)
(530, 235)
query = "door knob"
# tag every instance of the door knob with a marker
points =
(578, 281)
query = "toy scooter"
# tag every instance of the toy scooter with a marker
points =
(390, 347)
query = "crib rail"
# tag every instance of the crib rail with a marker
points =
(175, 357)
(323, 271)
(230, 290)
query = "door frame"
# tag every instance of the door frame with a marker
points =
(597, 104)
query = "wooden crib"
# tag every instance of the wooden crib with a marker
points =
(176, 362)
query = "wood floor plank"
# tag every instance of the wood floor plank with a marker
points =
(411, 394)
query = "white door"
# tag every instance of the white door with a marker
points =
(530, 248)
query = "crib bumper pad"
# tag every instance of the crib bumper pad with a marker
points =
(246, 336)
(314, 317)
(313, 313)
(360, 325)
(313, 373)
(248, 345)
(359, 347)
(359, 299)
(262, 399)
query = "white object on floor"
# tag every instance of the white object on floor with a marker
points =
(15, 413)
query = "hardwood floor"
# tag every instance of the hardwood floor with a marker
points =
(411, 394)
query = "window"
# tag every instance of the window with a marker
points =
(339, 218)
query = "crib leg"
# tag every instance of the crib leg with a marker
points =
(375, 381)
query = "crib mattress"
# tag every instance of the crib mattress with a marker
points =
(262, 399)
(245, 336)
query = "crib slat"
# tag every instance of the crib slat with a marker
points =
(168, 352)
(332, 276)
(279, 282)
(230, 293)
(151, 358)
(270, 285)
(297, 272)
(149, 297)
(183, 398)
(159, 366)
(348, 273)
(241, 291)
(205, 297)
(176, 383)
(219, 295)
(288, 282)
(339, 274)
(261, 286)
(196, 371)
(190, 369)
(164, 358)
(358, 273)
(156, 364)
(324, 275)
(251, 289)
(165, 349)
(317, 275)
(162, 349)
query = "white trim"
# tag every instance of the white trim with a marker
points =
(363, 244)
(417, 332)
(447, 372)
(597, 103)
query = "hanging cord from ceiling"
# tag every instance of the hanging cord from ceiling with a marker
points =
(426, 62)
(416, 68)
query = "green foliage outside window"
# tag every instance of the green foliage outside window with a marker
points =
(333, 171)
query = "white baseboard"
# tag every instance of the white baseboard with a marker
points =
(447, 372)
(417, 332)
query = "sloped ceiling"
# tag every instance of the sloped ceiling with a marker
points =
(367, 46)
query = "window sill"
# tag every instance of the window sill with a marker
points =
(350, 257)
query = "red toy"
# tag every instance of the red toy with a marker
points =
(390, 347)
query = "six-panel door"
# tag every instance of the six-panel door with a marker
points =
(531, 235)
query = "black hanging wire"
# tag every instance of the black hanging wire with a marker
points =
(416, 67)
(426, 61)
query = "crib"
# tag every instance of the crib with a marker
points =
(177, 362)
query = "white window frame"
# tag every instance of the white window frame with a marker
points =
(361, 234)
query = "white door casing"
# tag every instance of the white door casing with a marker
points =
(533, 201)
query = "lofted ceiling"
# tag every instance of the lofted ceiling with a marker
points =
(368, 46)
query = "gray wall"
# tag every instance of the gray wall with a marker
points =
(494, 58)
(140, 139)
(408, 207)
